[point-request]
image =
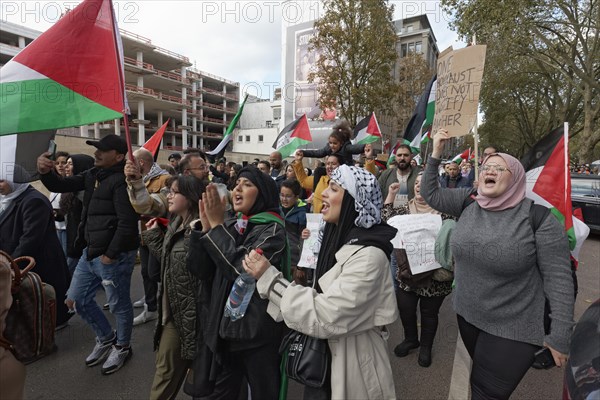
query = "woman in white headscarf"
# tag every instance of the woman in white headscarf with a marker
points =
(27, 229)
(353, 298)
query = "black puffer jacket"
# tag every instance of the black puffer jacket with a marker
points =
(108, 221)
(180, 286)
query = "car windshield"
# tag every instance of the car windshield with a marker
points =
(585, 187)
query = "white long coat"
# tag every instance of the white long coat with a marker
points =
(357, 303)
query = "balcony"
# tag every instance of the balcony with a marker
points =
(172, 76)
(141, 90)
(139, 64)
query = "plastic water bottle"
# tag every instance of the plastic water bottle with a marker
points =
(239, 298)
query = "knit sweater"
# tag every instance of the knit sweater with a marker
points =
(503, 271)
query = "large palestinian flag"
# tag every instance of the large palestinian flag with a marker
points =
(68, 76)
(296, 134)
(549, 184)
(367, 130)
(422, 118)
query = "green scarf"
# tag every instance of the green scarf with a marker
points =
(268, 217)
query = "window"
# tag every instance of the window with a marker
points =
(403, 50)
(276, 113)
(269, 124)
(411, 47)
(409, 28)
(418, 47)
(240, 138)
(260, 139)
(247, 138)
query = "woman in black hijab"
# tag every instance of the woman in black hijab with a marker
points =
(71, 205)
(248, 347)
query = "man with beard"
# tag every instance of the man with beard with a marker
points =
(404, 173)
(453, 179)
(277, 169)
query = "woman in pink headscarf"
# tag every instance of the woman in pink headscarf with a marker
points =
(510, 258)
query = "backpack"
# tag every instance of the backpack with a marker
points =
(31, 320)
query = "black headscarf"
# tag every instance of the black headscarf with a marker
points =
(268, 196)
(81, 163)
(346, 232)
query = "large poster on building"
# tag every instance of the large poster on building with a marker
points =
(306, 98)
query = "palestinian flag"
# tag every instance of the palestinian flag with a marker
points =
(465, 155)
(293, 136)
(19, 153)
(422, 117)
(153, 144)
(228, 137)
(367, 130)
(549, 183)
(68, 76)
(392, 157)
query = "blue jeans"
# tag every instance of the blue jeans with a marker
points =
(116, 280)
(62, 238)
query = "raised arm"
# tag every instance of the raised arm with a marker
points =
(447, 201)
(320, 153)
(305, 181)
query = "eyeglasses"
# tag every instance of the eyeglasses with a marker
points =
(494, 168)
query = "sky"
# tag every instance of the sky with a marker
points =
(237, 40)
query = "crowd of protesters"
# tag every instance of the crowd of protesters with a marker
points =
(197, 225)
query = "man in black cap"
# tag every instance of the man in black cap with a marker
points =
(174, 159)
(109, 225)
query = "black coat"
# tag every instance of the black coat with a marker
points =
(108, 221)
(214, 258)
(347, 151)
(27, 229)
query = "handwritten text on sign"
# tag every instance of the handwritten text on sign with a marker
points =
(459, 74)
(417, 234)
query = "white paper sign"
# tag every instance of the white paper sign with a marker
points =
(417, 234)
(310, 247)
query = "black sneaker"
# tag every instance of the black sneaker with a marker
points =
(403, 348)
(117, 358)
(100, 351)
(424, 356)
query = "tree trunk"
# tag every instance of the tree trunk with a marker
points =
(590, 136)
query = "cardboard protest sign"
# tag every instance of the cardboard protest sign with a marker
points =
(417, 234)
(459, 75)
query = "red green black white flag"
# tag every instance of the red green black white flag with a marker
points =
(294, 135)
(68, 76)
(549, 183)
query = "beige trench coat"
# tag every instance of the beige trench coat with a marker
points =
(357, 303)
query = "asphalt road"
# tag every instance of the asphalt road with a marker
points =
(63, 375)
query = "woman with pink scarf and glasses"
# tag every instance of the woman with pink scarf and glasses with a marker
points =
(510, 258)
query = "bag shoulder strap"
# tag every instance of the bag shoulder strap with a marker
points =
(537, 215)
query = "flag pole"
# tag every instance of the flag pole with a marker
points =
(567, 170)
(122, 82)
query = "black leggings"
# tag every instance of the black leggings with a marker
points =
(430, 307)
(498, 364)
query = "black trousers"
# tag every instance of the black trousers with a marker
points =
(260, 367)
(150, 276)
(430, 307)
(498, 364)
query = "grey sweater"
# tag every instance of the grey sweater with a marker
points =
(499, 288)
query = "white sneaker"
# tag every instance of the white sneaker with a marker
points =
(145, 316)
(140, 303)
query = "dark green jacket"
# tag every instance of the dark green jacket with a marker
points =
(180, 286)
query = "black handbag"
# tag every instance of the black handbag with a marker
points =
(307, 359)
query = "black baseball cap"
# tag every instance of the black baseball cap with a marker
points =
(176, 156)
(110, 142)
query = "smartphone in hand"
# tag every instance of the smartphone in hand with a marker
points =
(52, 150)
(544, 358)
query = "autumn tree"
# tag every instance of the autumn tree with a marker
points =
(356, 43)
(542, 67)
